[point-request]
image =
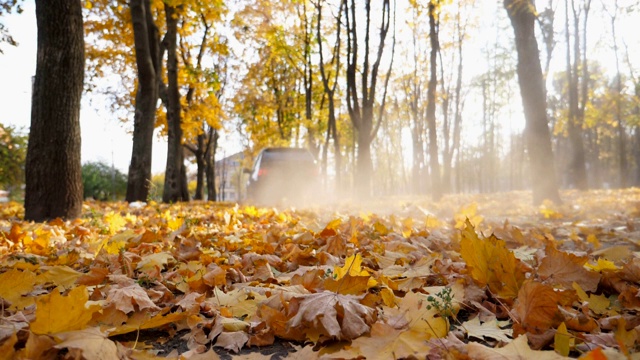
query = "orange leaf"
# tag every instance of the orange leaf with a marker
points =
(537, 308)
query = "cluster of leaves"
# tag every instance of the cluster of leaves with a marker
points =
(340, 283)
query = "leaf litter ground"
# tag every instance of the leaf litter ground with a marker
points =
(482, 277)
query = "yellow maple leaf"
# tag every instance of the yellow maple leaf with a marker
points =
(491, 263)
(14, 284)
(114, 244)
(56, 313)
(597, 303)
(63, 276)
(352, 266)
(114, 221)
(602, 264)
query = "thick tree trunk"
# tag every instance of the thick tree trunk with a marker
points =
(146, 41)
(53, 168)
(534, 101)
(174, 173)
(436, 189)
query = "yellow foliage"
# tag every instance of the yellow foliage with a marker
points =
(56, 313)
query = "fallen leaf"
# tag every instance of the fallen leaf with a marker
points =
(7, 349)
(232, 341)
(15, 283)
(488, 329)
(340, 316)
(386, 342)
(491, 263)
(144, 322)
(125, 298)
(536, 308)
(62, 276)
(56, 313)
(518, 349)
(90, 343)
(560, 268)
(562, 340)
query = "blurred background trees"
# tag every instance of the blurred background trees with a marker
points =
(445, 107)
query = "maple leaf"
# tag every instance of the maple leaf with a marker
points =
(142, 320)
(488, 329)
(89, 343)
(62, 276)
(340, 316)
(125, 298)
(350, 285)
(491, 263)
(56, 313)
(352, 266)
(558, 267)
(154, 261)
(597, 303)
(14, 284)
(386, 342)
(239, 302)
(232, 341)
(518, 349)
(537, 308)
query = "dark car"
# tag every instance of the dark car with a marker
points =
(279, 174)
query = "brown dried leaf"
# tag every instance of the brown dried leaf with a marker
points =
(560, 268)
(340, 316)
(536, 308)
(126, 297)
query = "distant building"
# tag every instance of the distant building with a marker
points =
(229, 178)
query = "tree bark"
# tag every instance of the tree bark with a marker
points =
(332, 129)
(577, 165)
(534, 101)
(53, 168)
(436, 189)
(360, 106)
(146, 41)
(210, 157)
(174, 173)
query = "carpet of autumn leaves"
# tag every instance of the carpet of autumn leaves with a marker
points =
(480, 277)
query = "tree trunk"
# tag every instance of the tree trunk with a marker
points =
(53, 168)
(577, 166)
(200, 154)
(210, 164)
(332, 129)
(534, 101)
(173, 180)
(436, 190)
(360, 106)
(146, 45)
